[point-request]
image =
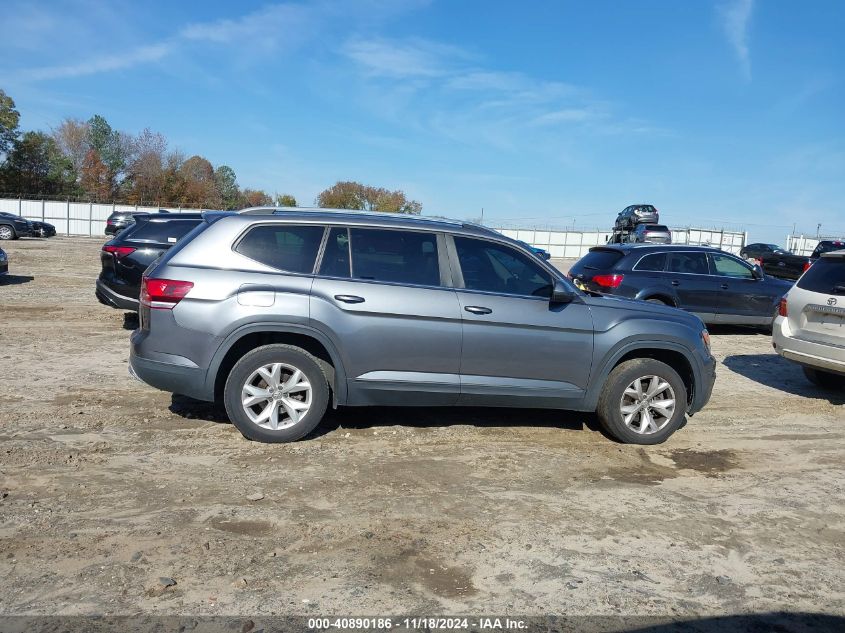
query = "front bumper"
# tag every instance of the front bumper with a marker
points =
(817, 355)
(706, 378)
(109, 297)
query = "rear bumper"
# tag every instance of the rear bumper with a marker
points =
(175, 378)
(110, 298)
(816, 355)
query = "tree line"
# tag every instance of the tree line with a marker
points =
(92, 161)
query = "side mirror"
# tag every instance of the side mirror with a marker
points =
(758, 272)
(561, 293)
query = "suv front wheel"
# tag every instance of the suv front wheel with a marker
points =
(643, 402)
(276, 393)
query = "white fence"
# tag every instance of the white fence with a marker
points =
(574, 244)
(801, 245)
(74, 218)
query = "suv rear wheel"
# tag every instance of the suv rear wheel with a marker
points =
(7, 232)
(643, 402)
(276, 393)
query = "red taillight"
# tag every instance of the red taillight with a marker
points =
(608, 281)
(163, 293)
(118, 251)
(807, 265)
(782, 311)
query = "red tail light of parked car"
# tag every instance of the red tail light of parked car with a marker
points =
(163, 294)
(782, 311)
(118, 251)
(609, 281)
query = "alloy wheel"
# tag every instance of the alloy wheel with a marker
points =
(647, 404)
(276, 396)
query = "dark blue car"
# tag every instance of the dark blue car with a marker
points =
(716, 286)
(539, 252)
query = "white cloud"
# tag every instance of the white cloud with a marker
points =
(103, 63)
(735, 17)
(407, 59)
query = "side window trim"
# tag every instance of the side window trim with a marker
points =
(711, 260)
(665, 263)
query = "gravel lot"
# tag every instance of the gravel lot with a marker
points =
(108, 486)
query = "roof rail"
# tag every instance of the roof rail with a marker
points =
(347, 212)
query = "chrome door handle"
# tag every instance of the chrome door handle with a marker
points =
(724, 286)
(478, 309)
(675, 282)
(349, 298)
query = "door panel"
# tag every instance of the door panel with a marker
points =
(740, 294)
(395, 330)
(688, 273)
(518, 349)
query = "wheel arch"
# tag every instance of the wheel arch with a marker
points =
(251, 336)
(673, 354)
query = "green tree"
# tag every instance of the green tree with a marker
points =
(34, 165)
(110, 145)
(227, 186)
(354, 195)
(9, 120)
(285, 200)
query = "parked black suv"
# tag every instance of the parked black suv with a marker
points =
(119, 220)
(716, 286)
(13, 226)
(127, 255)
(760, 250)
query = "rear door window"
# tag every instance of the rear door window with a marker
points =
(826, 275)
(336, 256)
(282, 246)
(408, 257)
(168, 232)
(654, 262)
(690, 263)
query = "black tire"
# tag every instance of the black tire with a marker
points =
(824, 379)
(289, 355)
(657, 300)
(7, 232)
(609, 406)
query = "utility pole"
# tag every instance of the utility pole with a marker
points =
(819, 230)
(482, 215)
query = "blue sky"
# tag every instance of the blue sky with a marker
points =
(720, 113)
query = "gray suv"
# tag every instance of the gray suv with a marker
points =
(278, 313)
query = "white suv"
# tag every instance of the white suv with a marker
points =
(810, 326)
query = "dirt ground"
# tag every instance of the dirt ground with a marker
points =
(116, 498)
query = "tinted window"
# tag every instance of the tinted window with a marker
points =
(289, 248)
(730, 267)
(690, 263)
(497, 268)
(163, 232)
(653, 262)
(656, 227)
(599, 260)
(826, 247)
(398, 256)
(826, 275)
(336, 256)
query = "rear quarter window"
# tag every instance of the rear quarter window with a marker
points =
(826, 275)
(653, 262)
(599, 260)
(285, 247)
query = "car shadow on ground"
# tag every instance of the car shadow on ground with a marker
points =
(15, 280)
(735, 330)
(359, 418)
(775, 371)
(130, 321)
